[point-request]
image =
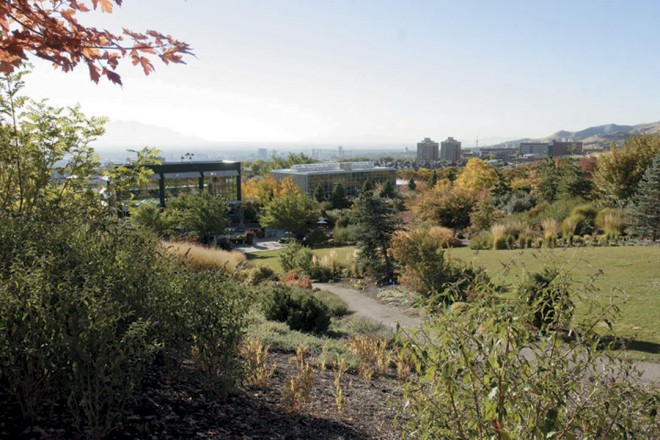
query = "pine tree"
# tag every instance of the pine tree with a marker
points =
(412, 186)
(319, 194)
(388, 190)
(376, 222)
(433, 180)
(339, 197)
(368, 186)
(645, 212)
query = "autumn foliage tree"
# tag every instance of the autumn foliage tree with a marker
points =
(51, 30)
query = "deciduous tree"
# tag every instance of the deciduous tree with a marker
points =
(290, 213)
(476, 176)
(35, 138)
(619, 171)
(51, 30)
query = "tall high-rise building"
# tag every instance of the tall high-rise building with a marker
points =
(427, 151)
(450, 150)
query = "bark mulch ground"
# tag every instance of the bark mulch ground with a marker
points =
(176, 407)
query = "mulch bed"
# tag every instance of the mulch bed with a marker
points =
(176, 407)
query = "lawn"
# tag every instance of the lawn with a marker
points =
(633, 270)
(270, 258)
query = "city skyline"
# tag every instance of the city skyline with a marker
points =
(342, 72)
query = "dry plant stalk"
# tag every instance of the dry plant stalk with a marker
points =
(299, 388)
(340, 368)
(404, 364)
(323, 358)
(257, 370)
(301, 353)
(372, 353)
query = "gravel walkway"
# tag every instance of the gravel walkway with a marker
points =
(365, 306)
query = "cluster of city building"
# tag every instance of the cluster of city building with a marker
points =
(449, 151)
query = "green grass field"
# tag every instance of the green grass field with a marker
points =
(270, 258)
(634, 270)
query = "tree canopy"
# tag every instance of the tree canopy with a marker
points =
(290, 212)
(51, 30)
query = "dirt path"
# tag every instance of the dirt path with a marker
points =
(363, 305)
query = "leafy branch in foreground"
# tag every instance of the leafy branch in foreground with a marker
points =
(50, 29)
(482, 373)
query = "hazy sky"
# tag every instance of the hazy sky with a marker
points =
(378, 70)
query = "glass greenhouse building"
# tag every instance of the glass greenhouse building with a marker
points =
(351, 175)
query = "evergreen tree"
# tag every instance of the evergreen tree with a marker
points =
(319, 194)
(388, 190)
(573, 182)
(412, 186)
(368, 186)
(339, 197)
(376, 221)
(645, 212)
(548, 175)
(433, 180)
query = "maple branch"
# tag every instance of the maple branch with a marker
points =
(57, 36)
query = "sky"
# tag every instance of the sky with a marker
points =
(374, 71)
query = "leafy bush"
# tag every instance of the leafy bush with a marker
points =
(309, 315)
(347, 234)
(293, 279)
(426, 268)
(303, 312)
(547, 294)
(481, 241)
(513, 203)
(296, 257)
(315, 237)
(337, 306)
(89, 302)
(482, 374)
(259, 274)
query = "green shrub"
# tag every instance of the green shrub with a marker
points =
(89, 302)
(259, 274)
(309, 315)
(337, 306)
(344, 234)
(315, 237)
(277, 304)
(482, 241)
(296, 257)
(547, 295)
(303, 312)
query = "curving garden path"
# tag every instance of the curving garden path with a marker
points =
(365, 306)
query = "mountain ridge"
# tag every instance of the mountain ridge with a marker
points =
(598, 136)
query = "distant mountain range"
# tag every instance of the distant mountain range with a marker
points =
(136, 135)
(601, 136)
